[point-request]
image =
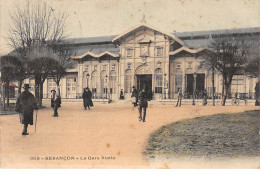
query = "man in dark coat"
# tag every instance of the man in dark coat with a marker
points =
(205, 97)
(143, 104)
(121, 95)
(25, 105)
(87, 98)
(179, 98)
(55, 102)
(134, 95)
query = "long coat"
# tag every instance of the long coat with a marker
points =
(55, 101)
(143, 99)
(87, 98)
(25, 105)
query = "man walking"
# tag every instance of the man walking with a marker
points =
(87, 98)
(25, 105)
(143, 104)
(179, 98)
(55, 102)
(121, 95)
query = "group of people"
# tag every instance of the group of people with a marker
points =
(87, 98)
(26, 103)
(204, 96)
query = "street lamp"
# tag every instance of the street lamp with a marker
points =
(194, 87)
(87, 78)
(106, 86)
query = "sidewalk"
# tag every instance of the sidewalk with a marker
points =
(107, 136)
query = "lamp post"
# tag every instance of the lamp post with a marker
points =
(106, 86)
(87, 78)
(194, 87)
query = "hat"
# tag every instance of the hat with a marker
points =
(133, 87)
(26, 86)
(53, 90)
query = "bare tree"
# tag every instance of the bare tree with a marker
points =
(35, 26)
(253, 67)
(228, 54)
(9, 66)
(64, 61)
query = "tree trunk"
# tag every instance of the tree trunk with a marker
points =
(37, 89)
(7, 91)
(227, 83)
(20, 82)
(213, 86)
(41, 94)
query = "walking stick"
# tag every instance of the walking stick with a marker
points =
(35, 121)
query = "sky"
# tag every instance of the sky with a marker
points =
(111, 17)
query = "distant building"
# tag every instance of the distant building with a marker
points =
(146, 56)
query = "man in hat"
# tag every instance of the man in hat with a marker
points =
(121, 95)
(143, 104)
(55, 102)
(179, 98)
(25, 105)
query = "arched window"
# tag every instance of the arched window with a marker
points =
(94, 81)
(158, 80)
(112, 81)
(103, 82)
(128, 81)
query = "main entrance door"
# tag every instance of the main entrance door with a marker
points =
(144, 80)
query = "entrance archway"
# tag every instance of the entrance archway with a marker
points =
(144, 78)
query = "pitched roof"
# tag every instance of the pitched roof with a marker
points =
(91, 40)
(96, 49)
(147, 26)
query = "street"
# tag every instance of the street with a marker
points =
(107, 136)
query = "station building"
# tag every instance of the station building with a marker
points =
(147, 56)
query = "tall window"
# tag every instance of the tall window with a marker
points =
(51, 85)
(158, 80)
(112, 81)
(71, 87)
(237, 84)
(94, 81)
(103, 82)
(178, 80)
(128, 81)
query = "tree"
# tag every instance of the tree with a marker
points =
(9, 71)
(42, 65)
(64, 61)
(35, 26)
(209, 64)
(227, 55)
(253, 67)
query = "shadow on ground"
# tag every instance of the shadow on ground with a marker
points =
(219, 135)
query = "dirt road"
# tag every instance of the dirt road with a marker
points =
(107, 136)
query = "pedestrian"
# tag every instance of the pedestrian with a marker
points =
(205, 97)
(55, 102)
(84, 96)
(143, 104)
(87, 98)
(134, 96)
(25, 105)
(121, 95)
(179, 98)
